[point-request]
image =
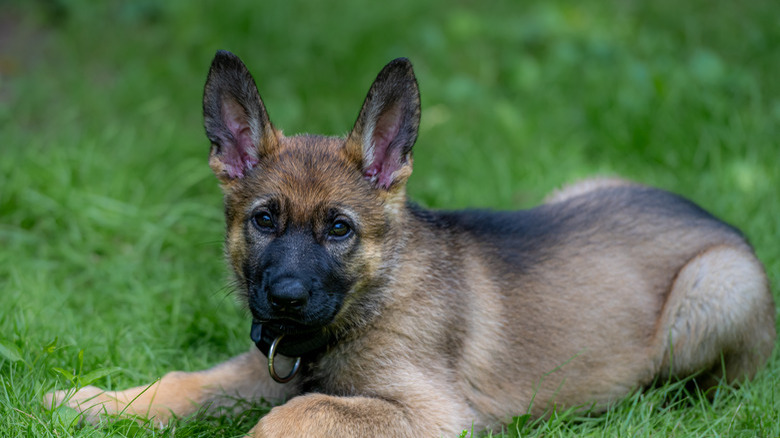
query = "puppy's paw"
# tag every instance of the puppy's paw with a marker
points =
(92, 402)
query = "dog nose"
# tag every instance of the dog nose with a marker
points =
(288, 294)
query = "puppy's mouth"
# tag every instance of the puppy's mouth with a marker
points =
(291, 339)
(287, 326)
(288, 323)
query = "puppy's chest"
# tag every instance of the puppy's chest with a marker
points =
(362, 365)
(335, 374)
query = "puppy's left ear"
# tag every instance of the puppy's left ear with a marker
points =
(386, 128)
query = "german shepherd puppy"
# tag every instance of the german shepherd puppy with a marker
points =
(387, 319)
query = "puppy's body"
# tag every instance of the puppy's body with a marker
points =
(559, 304)
(434, 322)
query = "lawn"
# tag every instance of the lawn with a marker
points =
(111, 268)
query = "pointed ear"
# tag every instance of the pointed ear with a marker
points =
(386, 128)
(236, 121)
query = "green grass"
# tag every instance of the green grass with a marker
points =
(110, 220)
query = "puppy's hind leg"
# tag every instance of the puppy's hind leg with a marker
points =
(719, 306)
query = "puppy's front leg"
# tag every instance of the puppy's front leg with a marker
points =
(330, 416)
(244, 377)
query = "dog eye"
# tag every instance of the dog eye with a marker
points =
(263, 221)
(339, 229)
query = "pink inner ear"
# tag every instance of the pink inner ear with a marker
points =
(240, 154)
(386, 159)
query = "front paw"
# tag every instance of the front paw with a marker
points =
(95, 404)
(91, 402)
(285, 421)
(323, 415)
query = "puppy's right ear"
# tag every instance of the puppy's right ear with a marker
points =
(236, 121)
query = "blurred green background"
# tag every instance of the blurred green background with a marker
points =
(110, 220)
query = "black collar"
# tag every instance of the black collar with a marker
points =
(293, 344)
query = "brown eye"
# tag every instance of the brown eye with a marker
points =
(263, 221)
(339, 229)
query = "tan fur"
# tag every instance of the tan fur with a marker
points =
(719, 304)
(583, 187)
(445, 330)
(181, 394)
(559, 366)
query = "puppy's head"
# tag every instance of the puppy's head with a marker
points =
(308, 217)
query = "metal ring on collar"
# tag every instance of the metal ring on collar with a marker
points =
(272, 370)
